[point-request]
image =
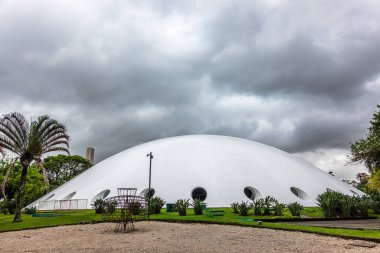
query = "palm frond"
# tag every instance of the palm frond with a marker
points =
(53, 149)
(7, 130)
(6, 143)
(53, 134)
(14, 129)
(57, 137)
(22, 126)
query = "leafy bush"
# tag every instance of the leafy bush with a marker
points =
(257, 206)
(99, 206)
(156, 203)
(278, 208)
(8, 206)
(198, 206)
(295, 208)
(243, 208)
(181, 206)
(268, 203)
(329, 202)
(135, 208)
(363, 205)
(347, 206)
(335, 204)
(110, 207)
(375, 201)
(235, 207)
(30, 210)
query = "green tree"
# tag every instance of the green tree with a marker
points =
(374, 181)
(29, 142)
(367, 151)
(34, 186)
(62, 168)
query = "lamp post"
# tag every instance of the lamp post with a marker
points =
(150, 155)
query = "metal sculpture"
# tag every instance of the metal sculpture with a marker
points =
(125, 209)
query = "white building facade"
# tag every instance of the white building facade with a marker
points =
(219, 169)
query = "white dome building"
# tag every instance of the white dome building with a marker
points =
(219, 169)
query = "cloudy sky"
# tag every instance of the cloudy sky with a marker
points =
(302, 76)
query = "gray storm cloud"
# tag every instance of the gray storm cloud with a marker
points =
(301, 76)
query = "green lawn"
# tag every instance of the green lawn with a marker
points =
(88, 216)
(230, 218)
(66, 218)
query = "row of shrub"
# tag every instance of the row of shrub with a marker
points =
(333, 204)
(156, 204)
(263, 206)
(182, 204)
(336, 204)
(9, 207)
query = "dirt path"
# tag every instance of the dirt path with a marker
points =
(172, 237)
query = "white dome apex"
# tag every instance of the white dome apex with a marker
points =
(228, 169)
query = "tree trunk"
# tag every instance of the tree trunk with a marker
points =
(20, 196)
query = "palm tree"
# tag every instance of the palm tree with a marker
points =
(29, 142)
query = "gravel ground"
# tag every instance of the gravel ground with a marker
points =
(173, 237)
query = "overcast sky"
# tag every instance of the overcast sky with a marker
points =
(302, 76)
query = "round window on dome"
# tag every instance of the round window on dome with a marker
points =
(252, 193)
(145, 193)
(199, 193)
(300, 193)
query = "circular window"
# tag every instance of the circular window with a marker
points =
(199, 193)
(145, 193)
(300, 193)
(252, 193)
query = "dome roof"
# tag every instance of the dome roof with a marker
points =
(220, 169)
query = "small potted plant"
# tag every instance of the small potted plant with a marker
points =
(181, 206)
(198, 206)
(243, 208)
(235, 207)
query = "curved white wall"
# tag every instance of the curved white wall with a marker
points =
(222, 165)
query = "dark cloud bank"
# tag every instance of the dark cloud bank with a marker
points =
(301, 77)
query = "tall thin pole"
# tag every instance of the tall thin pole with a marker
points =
(150, 173)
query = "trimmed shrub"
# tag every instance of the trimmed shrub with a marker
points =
(235, 207)
(363, 205)
(135, 208)
(30, 210)
(198, 206)
(295, 208)
(110, 207)
(375, 201)
(329, 203)
(243, 208)
(278, 208)
(347, 206)
(257, 206)
(268, 203)
(181, 205)
(99, 206)
(156, 204)
(335, 204)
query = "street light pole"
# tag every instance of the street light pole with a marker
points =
(150, 155)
